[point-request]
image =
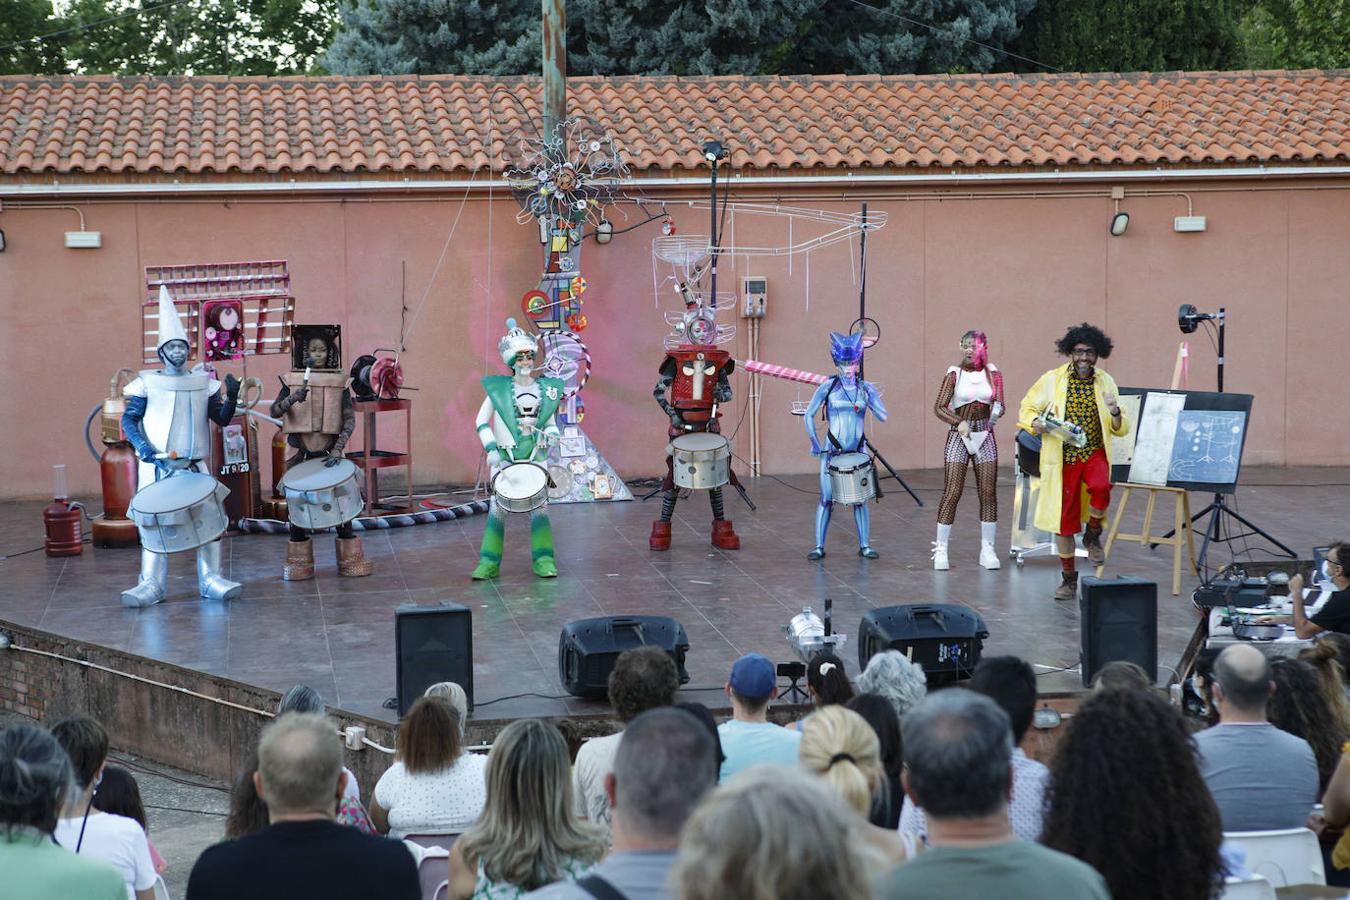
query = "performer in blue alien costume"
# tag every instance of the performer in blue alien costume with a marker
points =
(844, 461)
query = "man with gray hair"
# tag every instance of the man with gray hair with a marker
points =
(303, 852)
(958, 769)
(666, 763)
(1262, 778)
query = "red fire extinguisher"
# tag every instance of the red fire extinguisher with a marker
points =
(118, 472)
(65, 534)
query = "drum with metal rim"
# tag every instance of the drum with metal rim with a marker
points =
(521, 487)
(853, 478)
(320, 496)
(701, 460)
(182, 512)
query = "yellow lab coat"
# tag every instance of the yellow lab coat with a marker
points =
(1052, 390)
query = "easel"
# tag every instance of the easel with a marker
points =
(1181, 528)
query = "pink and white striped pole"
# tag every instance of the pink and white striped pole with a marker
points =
(763, 368)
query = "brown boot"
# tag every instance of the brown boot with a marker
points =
(1068, 588)
(723, 536)
(299, 561)
(660, 539)
(1092, 543)
(351, 562)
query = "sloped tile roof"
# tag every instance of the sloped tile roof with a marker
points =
(449, 126)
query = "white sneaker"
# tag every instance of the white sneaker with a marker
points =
(940, 557)
(989, 556)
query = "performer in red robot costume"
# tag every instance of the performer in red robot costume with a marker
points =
(694, 382)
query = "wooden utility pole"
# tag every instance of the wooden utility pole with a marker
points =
(555, 65)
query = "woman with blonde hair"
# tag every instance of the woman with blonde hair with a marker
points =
(527, 836)
(840, 747)
(772, 833)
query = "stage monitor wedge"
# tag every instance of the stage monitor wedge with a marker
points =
(588, 649)
(1118, 620)
(432, 644)
(945, 638)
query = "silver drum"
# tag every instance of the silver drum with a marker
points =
(181, 512)
(853, 478)
(701, 460)
(521, 487)
(319, 496)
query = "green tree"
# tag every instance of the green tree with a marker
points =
(1297, 34)
(21, 21)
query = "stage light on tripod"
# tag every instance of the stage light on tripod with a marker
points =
(713, 151)
(1119, 222)
(809, 635)
(1189, 318)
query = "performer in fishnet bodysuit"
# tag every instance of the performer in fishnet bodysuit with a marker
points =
(970, 400)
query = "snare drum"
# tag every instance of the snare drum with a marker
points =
(319, 496)
(852, 478)
(521, 487)
(701, 460)
(181, 512)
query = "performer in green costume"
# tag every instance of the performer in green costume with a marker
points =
(515, 424)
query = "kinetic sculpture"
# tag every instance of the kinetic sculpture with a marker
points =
(516, 425)
(178, 506)
(847, 473)
(323, 489)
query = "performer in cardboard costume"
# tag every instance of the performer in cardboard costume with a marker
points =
(315, 407)
(846, 400)
(167, 421)
(1073, 408)
(515, 424)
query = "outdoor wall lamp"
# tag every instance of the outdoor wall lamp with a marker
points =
(1119, 222)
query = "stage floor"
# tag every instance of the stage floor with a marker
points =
(337, 634)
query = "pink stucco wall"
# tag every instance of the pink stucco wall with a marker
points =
(1020, 268)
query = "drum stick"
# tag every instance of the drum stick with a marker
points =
(306, 382)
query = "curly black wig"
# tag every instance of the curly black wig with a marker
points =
(1127, 798)
(1085, 334)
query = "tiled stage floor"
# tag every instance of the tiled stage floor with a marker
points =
(338, 634)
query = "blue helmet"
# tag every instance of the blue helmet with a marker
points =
(845, 348)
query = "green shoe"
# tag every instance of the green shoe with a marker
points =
(486, 570)
(544, 567)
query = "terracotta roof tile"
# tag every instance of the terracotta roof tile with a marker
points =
(458, 124)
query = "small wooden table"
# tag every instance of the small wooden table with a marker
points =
(1181, 528)
(371, 459)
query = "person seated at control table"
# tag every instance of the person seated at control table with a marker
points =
(1335, 613)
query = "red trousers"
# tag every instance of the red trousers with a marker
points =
(1095, 473)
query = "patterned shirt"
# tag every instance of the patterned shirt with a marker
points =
(1080, 407)
(1024, 812)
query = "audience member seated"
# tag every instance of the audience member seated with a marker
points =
(1262, 778)
(773, 833)
(665, 765)
(304, 699)
(454, 695)
(709, 722)
(526, 837)
(1334, 615)
(1336, 811)
(839, 746)
(1325, 657)
(119, 794)
(894, 677)
(959, 770)
(1120, 674)
(303, 852)
(826, 683)
(1011, 683)
(433, 787)
(1126, 797)
(880, 714)
(1199, 700)
(1341, 644)
(35, 775)
(641, 679)
(99, 835)
(248, 812)
(749, 738)
(1300, 707)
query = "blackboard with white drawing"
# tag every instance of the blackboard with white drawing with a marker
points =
(1185, 439)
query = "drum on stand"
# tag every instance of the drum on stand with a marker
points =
(320, 496)
(521, 487)
(701, 460)
(182, 512)
(853, 478)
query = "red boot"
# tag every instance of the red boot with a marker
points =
(660, 539)
(723, 537)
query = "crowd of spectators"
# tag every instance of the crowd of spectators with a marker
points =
(886, 792)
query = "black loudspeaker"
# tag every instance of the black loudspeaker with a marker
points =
(432, 644)
(1118, 619)
(944, 638)
(588, 649)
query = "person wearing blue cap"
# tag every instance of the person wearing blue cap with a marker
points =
(749, 738)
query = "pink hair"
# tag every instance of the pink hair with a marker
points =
(981, 356)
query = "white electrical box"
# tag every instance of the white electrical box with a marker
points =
(1188, 223)
(84, 240)
(754, 292)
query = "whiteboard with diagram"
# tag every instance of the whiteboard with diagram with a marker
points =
(1185, 439)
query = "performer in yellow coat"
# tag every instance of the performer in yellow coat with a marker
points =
(1073, 408)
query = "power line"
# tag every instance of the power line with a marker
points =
(936, 29)
(87, 25)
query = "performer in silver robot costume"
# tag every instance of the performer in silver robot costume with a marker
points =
(167, 421)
